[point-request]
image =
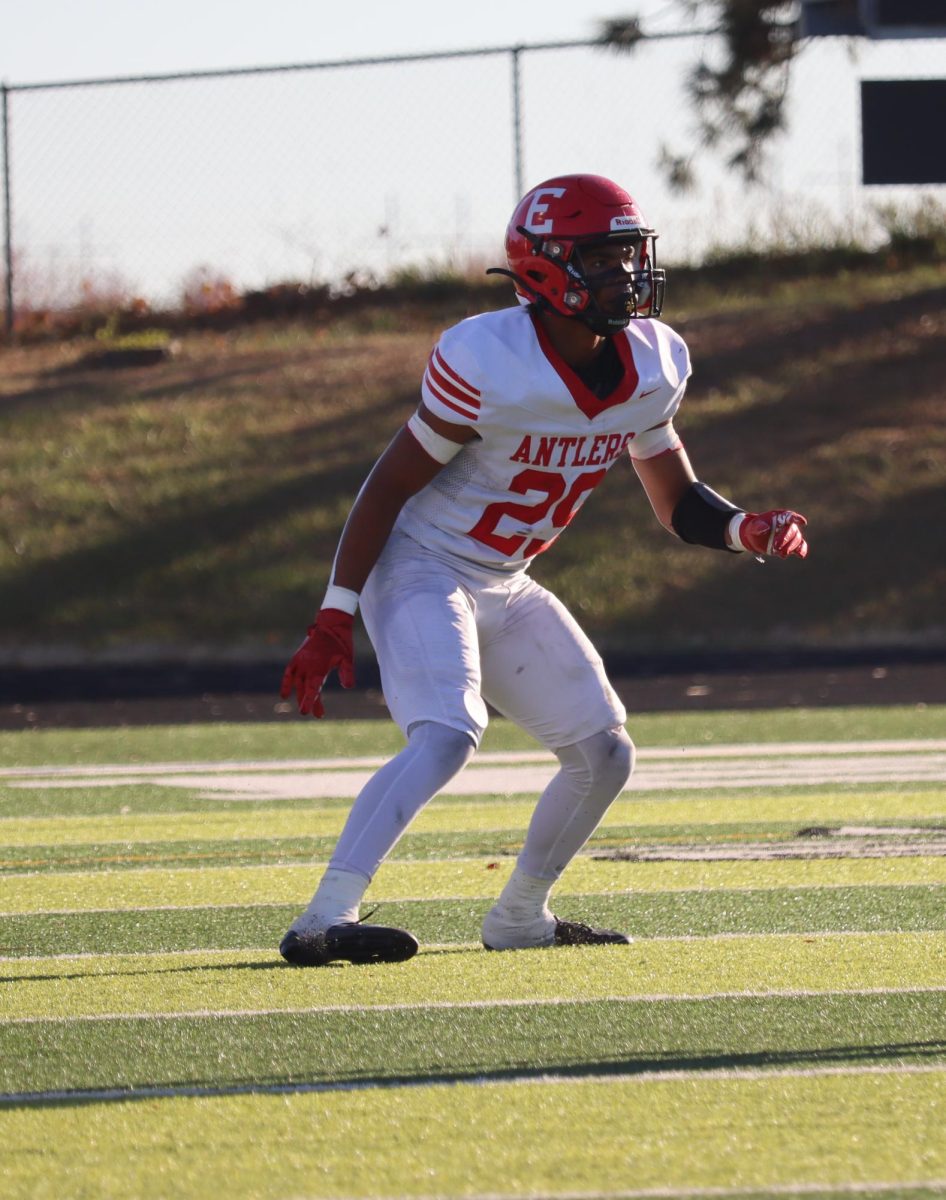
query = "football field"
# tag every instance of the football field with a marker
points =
(777, 1027)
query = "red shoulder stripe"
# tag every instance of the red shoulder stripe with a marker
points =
(468, 412)
(448, 370)
(450, 388)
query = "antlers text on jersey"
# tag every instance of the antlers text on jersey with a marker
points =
(544, 440)
(573, 451)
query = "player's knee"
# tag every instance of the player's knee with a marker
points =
(616, 756)
(448, 749)
(601, 763)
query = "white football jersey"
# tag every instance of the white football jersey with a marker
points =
(544, 439)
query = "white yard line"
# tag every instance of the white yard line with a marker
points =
(457, 1005)
(775, 765)
(853, 1188)
(495, 757)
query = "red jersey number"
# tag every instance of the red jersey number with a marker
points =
(553, 488)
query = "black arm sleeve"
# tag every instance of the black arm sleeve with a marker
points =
(702, 517)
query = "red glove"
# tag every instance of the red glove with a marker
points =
(328, 647)
(778, 532)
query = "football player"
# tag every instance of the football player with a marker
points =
(522, 414)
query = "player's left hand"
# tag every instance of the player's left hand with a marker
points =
(778, 533)
(327, 647)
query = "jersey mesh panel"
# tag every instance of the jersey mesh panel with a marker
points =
(451, 481)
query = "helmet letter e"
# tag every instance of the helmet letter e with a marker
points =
(536, 221)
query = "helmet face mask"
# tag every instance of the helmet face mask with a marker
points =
(577, 245)
(619, 281)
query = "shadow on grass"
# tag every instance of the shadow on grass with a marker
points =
(60, 976)
(209, 566)
(795, 1061)
(855, 571)
(159, 555)
(791, 337)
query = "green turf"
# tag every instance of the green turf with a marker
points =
(459, 879)
(138, 799)
(651, 812)
(310, 739)
(455, 1043)
(836, 1084)
(259, 980)
(652, 914)
(599, 1138)
(199, 503)
(624, 840)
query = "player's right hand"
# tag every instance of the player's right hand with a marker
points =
(327, 647)
(778, 532)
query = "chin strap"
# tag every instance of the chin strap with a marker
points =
(592, 315)
(533, 298)
(592, 311)
(518, 281)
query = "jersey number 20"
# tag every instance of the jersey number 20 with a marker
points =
(553, 488)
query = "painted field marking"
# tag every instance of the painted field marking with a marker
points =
(310, 1010)
(764, 764)
(864, 815)
(496, 757)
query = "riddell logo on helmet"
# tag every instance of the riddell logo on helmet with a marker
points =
(624, 223)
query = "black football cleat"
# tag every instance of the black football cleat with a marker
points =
(574, 933)
(352, 941)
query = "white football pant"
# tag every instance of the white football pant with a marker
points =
(449, 636)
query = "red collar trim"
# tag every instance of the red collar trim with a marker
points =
(585, 399)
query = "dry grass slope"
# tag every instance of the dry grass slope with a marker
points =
(198, 501)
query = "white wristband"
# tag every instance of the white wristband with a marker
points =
(437, 446)
(735, 525)
(341, 598)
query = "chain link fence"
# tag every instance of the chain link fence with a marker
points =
(147, 189)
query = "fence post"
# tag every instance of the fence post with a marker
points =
(516, 121)
(7, 215)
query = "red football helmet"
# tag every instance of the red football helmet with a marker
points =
(545, 239)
